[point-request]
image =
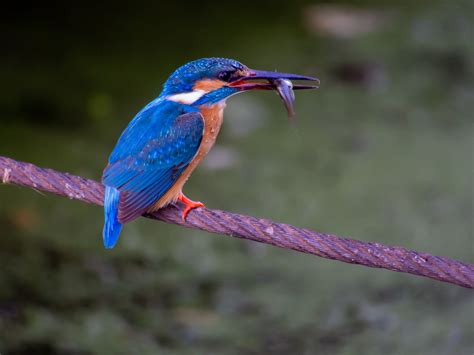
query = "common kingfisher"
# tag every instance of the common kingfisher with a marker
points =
(169, 137)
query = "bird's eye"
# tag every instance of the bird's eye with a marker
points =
(225, 75)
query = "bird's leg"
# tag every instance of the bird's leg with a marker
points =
(190, 204)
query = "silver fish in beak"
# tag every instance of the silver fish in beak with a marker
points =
(284, 88)
(281, 82)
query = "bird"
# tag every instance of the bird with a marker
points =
(166, 140)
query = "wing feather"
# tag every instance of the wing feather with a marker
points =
(143, 176)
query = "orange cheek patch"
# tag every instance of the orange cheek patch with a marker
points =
(208, 85)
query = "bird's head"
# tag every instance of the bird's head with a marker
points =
(210, 80)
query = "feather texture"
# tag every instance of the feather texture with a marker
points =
(112, 226)
(151, 154)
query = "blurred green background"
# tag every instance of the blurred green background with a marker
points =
(382, 152)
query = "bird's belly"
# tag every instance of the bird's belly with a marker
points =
(213, 117)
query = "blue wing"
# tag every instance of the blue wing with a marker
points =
(150, 156)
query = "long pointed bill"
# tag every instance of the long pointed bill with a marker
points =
(281, 82)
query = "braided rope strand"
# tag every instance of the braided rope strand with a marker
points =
(260, 230)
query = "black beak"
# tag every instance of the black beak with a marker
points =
(253, 80)
(282, 82)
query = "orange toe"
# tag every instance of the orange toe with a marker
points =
(190, 205)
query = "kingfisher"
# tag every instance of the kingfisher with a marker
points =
(168, 138)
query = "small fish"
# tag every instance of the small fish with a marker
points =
(286, 93)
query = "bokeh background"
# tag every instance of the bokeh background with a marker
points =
(382, 152)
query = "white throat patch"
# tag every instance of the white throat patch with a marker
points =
(187, 98)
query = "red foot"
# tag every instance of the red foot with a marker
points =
(190, 204)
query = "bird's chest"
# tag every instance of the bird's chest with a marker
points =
(213, 117)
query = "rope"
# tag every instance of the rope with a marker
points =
(260, 230)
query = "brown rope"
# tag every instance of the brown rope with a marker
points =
(260, 230)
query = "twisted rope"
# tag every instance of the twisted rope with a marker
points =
(260, 230)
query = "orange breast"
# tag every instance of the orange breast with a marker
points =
(213, 117)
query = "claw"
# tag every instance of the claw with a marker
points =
(190, 205)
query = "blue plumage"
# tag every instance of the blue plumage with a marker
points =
(184, 78)
(112, 226)
(215, 96)
(151, 154)
(164, 139)
(158, 145)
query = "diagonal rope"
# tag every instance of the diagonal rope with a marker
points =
(260, 230)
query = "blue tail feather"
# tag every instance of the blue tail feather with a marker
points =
(112, 226)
